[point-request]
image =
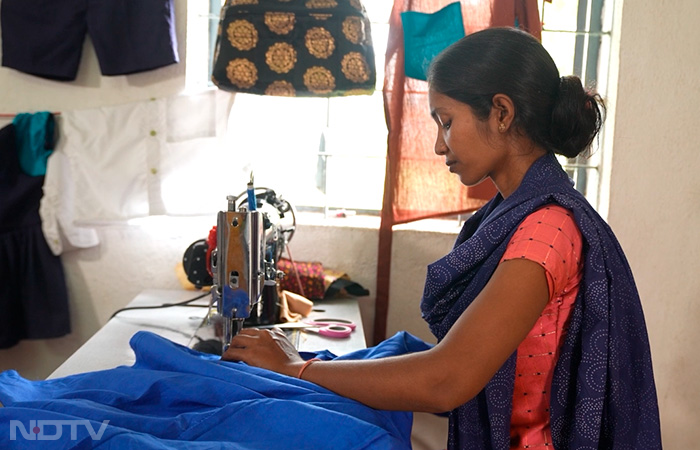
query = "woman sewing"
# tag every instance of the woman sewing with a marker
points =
(541, 336)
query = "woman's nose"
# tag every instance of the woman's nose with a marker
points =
(440, 146)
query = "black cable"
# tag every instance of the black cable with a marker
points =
(164, 305)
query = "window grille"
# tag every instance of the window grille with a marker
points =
(583, 26)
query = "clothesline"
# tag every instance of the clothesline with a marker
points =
(11, 115)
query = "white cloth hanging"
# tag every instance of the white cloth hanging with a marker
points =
(154, 157)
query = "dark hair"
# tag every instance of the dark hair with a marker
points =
(556, 113)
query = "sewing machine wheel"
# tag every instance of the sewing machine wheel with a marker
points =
(195, 265)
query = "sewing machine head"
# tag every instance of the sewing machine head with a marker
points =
(244, 263)
(237, 267)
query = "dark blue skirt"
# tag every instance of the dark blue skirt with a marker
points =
(33, 295)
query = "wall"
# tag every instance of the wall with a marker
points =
(655, 195)
(93, 292)
(654, 207)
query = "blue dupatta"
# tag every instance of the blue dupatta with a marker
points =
(603, 391)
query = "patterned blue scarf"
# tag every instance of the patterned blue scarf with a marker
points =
(603, 392)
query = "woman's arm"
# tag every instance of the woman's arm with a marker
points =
(436, 380)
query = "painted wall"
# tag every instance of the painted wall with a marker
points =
(655, 195)
(93, 291)
(654, 148)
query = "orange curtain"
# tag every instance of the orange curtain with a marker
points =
(417, 184)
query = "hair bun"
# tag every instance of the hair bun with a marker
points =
(577, 116)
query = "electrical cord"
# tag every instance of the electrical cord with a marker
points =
(164, 305)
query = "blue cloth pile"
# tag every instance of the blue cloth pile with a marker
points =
(176, 398)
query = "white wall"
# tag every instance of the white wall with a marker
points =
(655, 195)
(93, 292)
(654, 209)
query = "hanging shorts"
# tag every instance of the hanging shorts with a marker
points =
(45, 37)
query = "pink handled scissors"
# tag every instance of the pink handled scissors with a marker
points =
(334, 328)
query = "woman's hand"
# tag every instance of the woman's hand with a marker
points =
(269, 349)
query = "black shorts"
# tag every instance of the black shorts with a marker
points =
(45, 37)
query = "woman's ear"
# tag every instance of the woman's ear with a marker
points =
(502, 112)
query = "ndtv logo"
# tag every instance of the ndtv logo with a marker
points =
(38, 429)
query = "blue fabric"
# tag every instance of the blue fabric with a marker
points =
(603, 391)
(425, 35)
(35, 141)
(174, 397)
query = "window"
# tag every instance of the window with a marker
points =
(323, 154)
(578, 36)
(319, 153)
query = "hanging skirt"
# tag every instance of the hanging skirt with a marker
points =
(33, 295)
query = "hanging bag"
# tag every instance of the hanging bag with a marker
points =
(294, 48)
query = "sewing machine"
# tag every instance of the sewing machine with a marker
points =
(248, 254)
(243, 265)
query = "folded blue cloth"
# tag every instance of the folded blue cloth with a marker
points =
(174, 397)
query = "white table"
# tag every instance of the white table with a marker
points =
(109, 347)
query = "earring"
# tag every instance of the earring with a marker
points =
(501, 127)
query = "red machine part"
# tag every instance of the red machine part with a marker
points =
(211, 242)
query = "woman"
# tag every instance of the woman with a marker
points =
(541, 336)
